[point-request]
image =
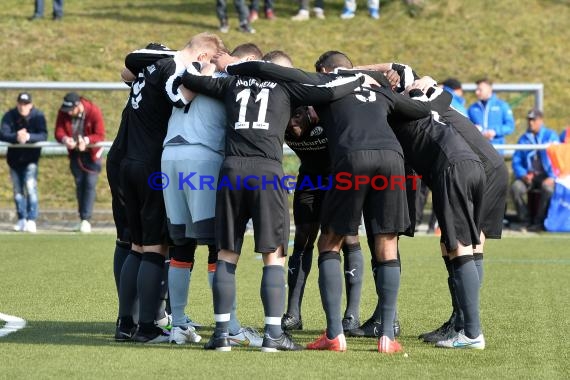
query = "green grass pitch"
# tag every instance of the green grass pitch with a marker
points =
(63, 286)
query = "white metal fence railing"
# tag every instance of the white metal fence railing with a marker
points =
(56, 149)
(52, 148)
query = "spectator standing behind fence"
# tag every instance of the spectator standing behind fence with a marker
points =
(243, 16)
(80, 123)
(453, 86)
(57, 13)
(254, 10)
(533, 171)
(24, 124)
(303, 14)
(491, 115)
(349, 10)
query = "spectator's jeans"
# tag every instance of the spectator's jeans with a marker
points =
(25, 185)
(268, 4)
(351, 4)
(241, 8)
(85, 185)
(304, 4)
(519, 190)
(57, 8)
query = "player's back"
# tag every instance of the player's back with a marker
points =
(257, 116)
(430, 146)
(153, 95)
(201, 122)
(358, 121)
(488, 155)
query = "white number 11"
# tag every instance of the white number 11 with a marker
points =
(263, 98)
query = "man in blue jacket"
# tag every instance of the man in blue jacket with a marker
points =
(491, 115)
(24, 124)
(533, 170)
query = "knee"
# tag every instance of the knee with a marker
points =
(547, 188)
(350, 241)
(518, 187)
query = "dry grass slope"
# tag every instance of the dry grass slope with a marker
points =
(508, 40)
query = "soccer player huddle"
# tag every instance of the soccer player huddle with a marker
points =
(227, 115)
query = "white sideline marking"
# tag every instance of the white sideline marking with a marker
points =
(12, 324)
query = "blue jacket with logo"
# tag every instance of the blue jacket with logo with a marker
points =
(522, 159)
(496, 114)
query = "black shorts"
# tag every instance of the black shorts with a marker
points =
(261, 197)
(146, 215)
(117, 200)
(413, 187)
(382, 200)
(457, 194)
(307, 203)
(494, 202)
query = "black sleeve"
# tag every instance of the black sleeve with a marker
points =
(305, 88)
(271, 71)
(407, 75)
(7, 133)
(406, 108)
(335, 88)
(440, 103)
(137, 60)
(39, 133)
(307, 94)
(213, 87)
(376, 75)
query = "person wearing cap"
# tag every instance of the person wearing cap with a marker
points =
(24, 124)
(453, 86)
(57, 13)
(491, 115)
(80, 123)
(533, 170)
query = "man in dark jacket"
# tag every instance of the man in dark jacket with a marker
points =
(24, 124)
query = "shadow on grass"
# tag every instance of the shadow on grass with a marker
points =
(66, 333)
(69, 334)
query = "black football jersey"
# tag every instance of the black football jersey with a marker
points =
(488, 155)
(136, 61)
(357, 121)
(258, 111)
(152, 97)
(313, 151)
(431, 146)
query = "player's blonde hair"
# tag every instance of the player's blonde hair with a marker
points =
(207, 41)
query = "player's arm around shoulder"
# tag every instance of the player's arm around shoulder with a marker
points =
(271, 71)
(194, 81)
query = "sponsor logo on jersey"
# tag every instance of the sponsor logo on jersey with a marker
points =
(317, 131)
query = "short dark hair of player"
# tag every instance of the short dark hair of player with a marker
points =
(277, 55)
(331, 60)
(484, 80)
(244, 50)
